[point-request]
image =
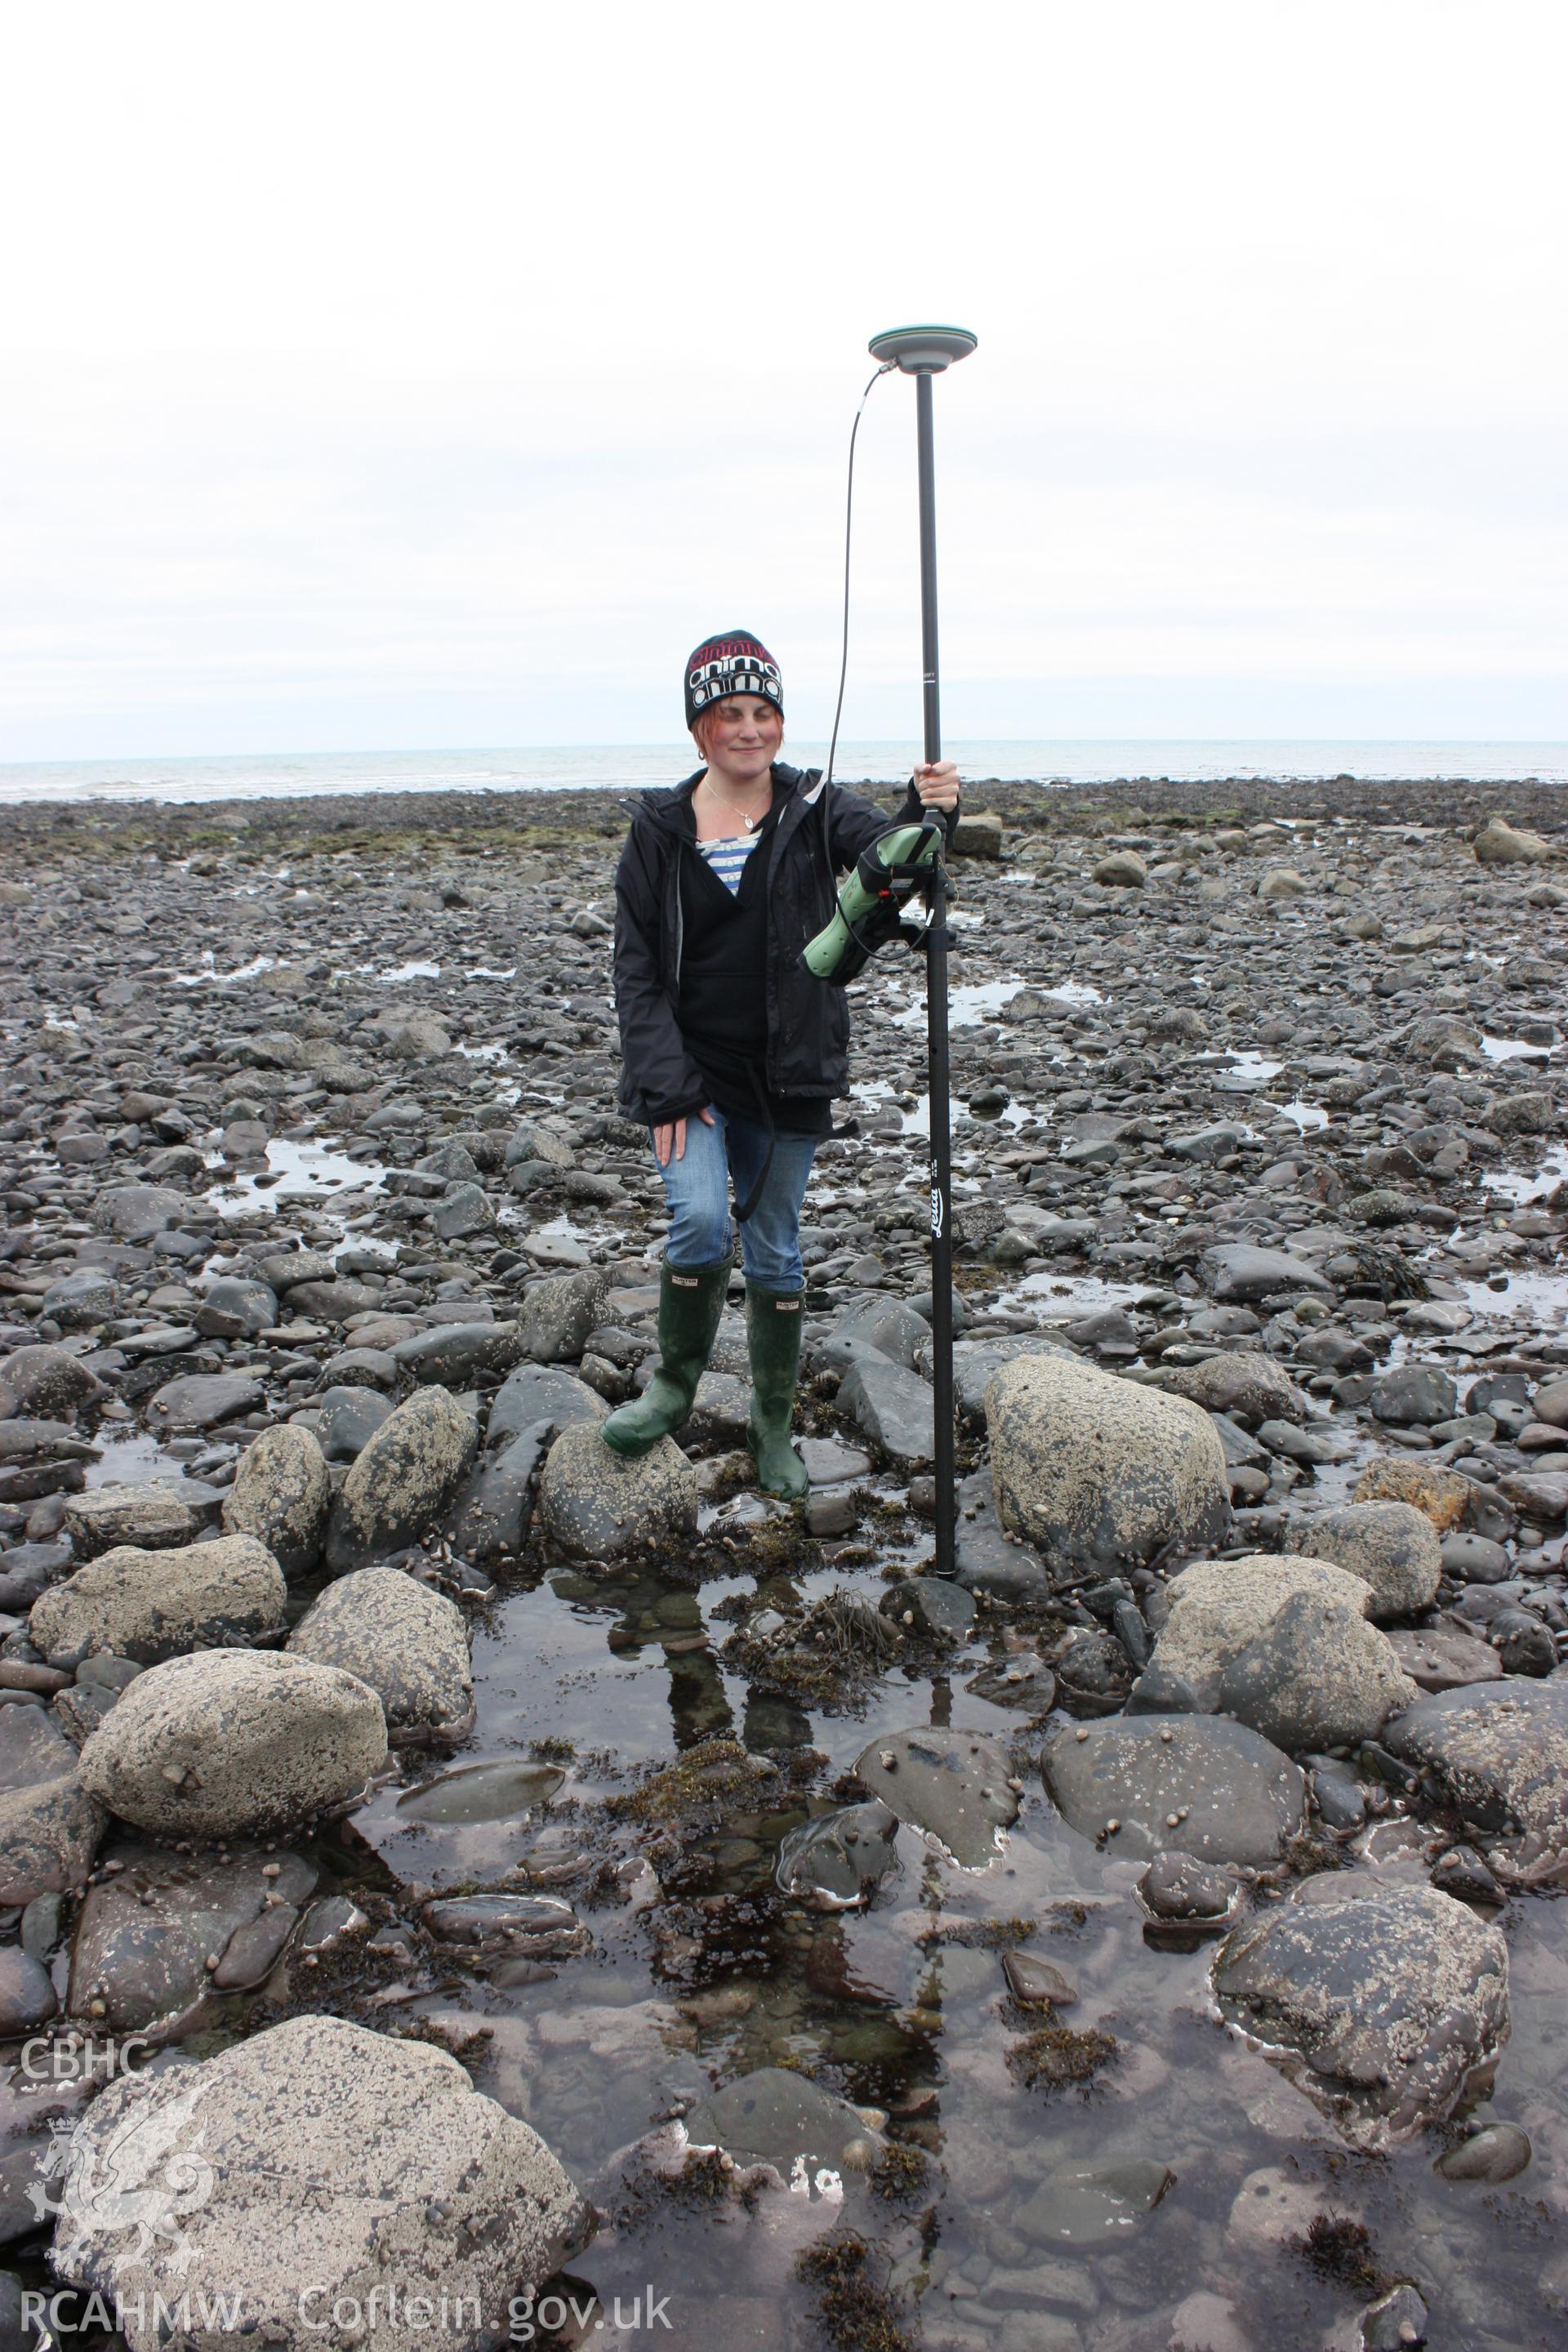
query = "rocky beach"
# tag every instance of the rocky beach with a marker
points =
(440, 1860)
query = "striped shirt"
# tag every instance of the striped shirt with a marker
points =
(727, 857)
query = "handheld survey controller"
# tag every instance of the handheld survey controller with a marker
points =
(872, 900)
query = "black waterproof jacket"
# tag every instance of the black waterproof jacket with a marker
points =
(807, 1020)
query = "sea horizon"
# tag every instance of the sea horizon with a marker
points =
(1063, 762)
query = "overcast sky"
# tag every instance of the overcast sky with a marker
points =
(378, 375)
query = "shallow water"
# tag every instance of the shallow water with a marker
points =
(1538, 1185)
(885, 2007)
(969, 1003)
(1072, 1293)
(1243, 1072)
(1513, 1049)
(1540, 1300)
(295, 1172)
(210, 977)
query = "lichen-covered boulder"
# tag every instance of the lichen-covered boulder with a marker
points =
(152, 1605)
(401, 1481)
(49, 1825)
(1388, 1996)
(1100, 1472)
(319, 2167)
(1281, 1643)
(46, 1380)
(230, 1741)
(1500, 1751)
(596, 1504)
(1393, 1548)
(282, 1495)
(1242, 1382)
(409, 1644)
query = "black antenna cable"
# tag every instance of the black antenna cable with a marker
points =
(843, 641)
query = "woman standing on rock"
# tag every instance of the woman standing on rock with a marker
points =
(731, 1051)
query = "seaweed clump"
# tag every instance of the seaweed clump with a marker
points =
(1340, 2249)
(899, 2173)
(852, 2310)
(714, 1776)
(826, 1656)
(1052, 2057)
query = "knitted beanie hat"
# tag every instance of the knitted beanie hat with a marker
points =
(735, 662)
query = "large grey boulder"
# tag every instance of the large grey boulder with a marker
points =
(537, 1392)
(1387, 1995)
(134, 1213)
(894, 1407)
(1392, 1546)
(531, 1143)
(202, 1400)
(954, 1785)
(1100, 1472)
(78, 1301)
(556, 1315)
(46, 1380)
(410, 1035)
(282, 1495)
(1246, 1383)
(593, 1504)
(1500, 1751)
(152, 1605)
(156, 1518)
(233, 1308)
(1182, 1783)
(1281, 1643)
(874, 1321)
(317, 2166)
(404, 1479)
(227, 1742)
(1236, 1271)
(494, 1509)
(409, 1644)
(348, 1418)
(1500, 843)
(458, 1354)
(49, 1825)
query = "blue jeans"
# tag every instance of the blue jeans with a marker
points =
(697, 1192)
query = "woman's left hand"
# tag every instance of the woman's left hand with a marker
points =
(936, 781)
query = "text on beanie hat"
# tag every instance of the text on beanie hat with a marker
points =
(732, 662)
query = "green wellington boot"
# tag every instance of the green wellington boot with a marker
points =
(691, 1301)
(773, 1342)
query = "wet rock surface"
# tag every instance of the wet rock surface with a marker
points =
(1195, 1784)
(1389, 1995)
(155, 1941)
(306, 1119)
(1500, 1751)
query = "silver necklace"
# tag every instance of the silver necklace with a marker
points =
(750, 822)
